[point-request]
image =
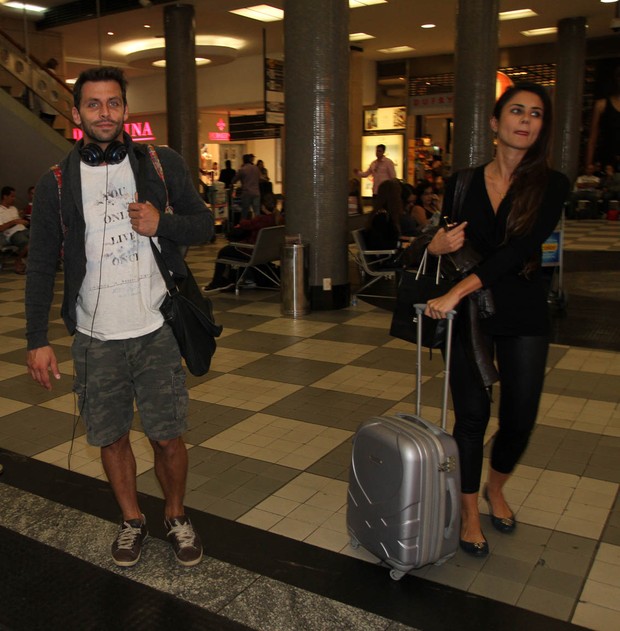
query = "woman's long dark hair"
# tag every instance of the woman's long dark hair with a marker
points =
(389, 200)
(529, 179)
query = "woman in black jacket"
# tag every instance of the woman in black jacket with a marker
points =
(512, 205)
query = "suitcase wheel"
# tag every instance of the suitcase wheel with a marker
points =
(396, 575)
(355, 544)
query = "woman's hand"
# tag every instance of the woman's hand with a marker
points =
(446, 241)
(437, 308)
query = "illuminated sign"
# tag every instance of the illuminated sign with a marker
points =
(221, 134)
(138, 131)
(431, 103)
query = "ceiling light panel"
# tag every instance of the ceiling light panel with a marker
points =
(360, 37)
(21, 6)
(261, 12)
(396, 49)
(535, 32)
(355, 4)
(518, 14)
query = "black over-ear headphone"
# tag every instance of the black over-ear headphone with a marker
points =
(93, 155)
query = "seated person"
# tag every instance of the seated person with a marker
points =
(426, 211)
(382, 230)
(587, 187)
(13, 227)
(409, 227)
(246, 231)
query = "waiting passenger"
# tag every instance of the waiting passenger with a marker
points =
(246, 231)
(13, 228)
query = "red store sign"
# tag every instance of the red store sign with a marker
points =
(139, 131)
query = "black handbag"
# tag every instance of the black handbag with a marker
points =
(190, 315)
(417, 288)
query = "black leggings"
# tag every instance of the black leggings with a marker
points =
(521, 362)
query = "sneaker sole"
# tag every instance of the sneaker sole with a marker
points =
(190, 563)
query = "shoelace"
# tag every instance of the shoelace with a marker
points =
(184, 534)
(127, 537)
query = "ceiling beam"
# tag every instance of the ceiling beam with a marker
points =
(81, 10)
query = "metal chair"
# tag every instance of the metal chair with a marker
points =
(268, 248)
(370, 264)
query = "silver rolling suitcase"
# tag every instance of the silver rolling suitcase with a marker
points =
(403, 503)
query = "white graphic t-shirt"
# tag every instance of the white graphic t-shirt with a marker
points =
(123, 288)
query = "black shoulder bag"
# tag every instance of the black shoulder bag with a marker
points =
(185, 309)
(422, 286)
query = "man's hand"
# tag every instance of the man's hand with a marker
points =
(41, 361)
(144, 218)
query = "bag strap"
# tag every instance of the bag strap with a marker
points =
(57, 171)
(422, 267)
(160, 171)
(463, 181)
(159, 259)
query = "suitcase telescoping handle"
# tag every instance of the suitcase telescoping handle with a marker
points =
(419, 308)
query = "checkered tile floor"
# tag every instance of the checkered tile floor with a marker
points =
(271, 426)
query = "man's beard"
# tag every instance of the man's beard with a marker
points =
(101, 136)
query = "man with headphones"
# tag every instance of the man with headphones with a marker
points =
(99, 206)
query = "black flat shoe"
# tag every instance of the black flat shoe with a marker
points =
(503, 524)
(478, 549)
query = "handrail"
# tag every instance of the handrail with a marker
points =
(15, 44)
(36, 79)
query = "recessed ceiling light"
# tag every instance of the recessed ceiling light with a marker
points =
(262, 12)
(355, 4)
(518, 14)
(200, 61)
(110, 32)
(358, 37)
(535, 32)
(147, 26)
(428, 25)
(28, 7)
(608, 1)
(396, 49)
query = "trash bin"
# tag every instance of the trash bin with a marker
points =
(294, 279)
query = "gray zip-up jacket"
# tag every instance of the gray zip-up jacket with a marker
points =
(191, 223)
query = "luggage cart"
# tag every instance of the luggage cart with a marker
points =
(553, 265)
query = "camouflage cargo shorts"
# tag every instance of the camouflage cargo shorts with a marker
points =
(110, 375)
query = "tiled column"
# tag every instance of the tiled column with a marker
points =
(571, 59)
(317, 135)
(356, 110)
(181, 99)
(476, 57)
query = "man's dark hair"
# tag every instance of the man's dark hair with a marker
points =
(103, 73)
(6, 191)
(382, 147)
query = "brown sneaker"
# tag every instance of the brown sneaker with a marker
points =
(127, 546)
(184, 539)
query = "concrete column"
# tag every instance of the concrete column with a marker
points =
(316, 53)
(476, 57)
(571, 59)
(181, 99)
(356, 110)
